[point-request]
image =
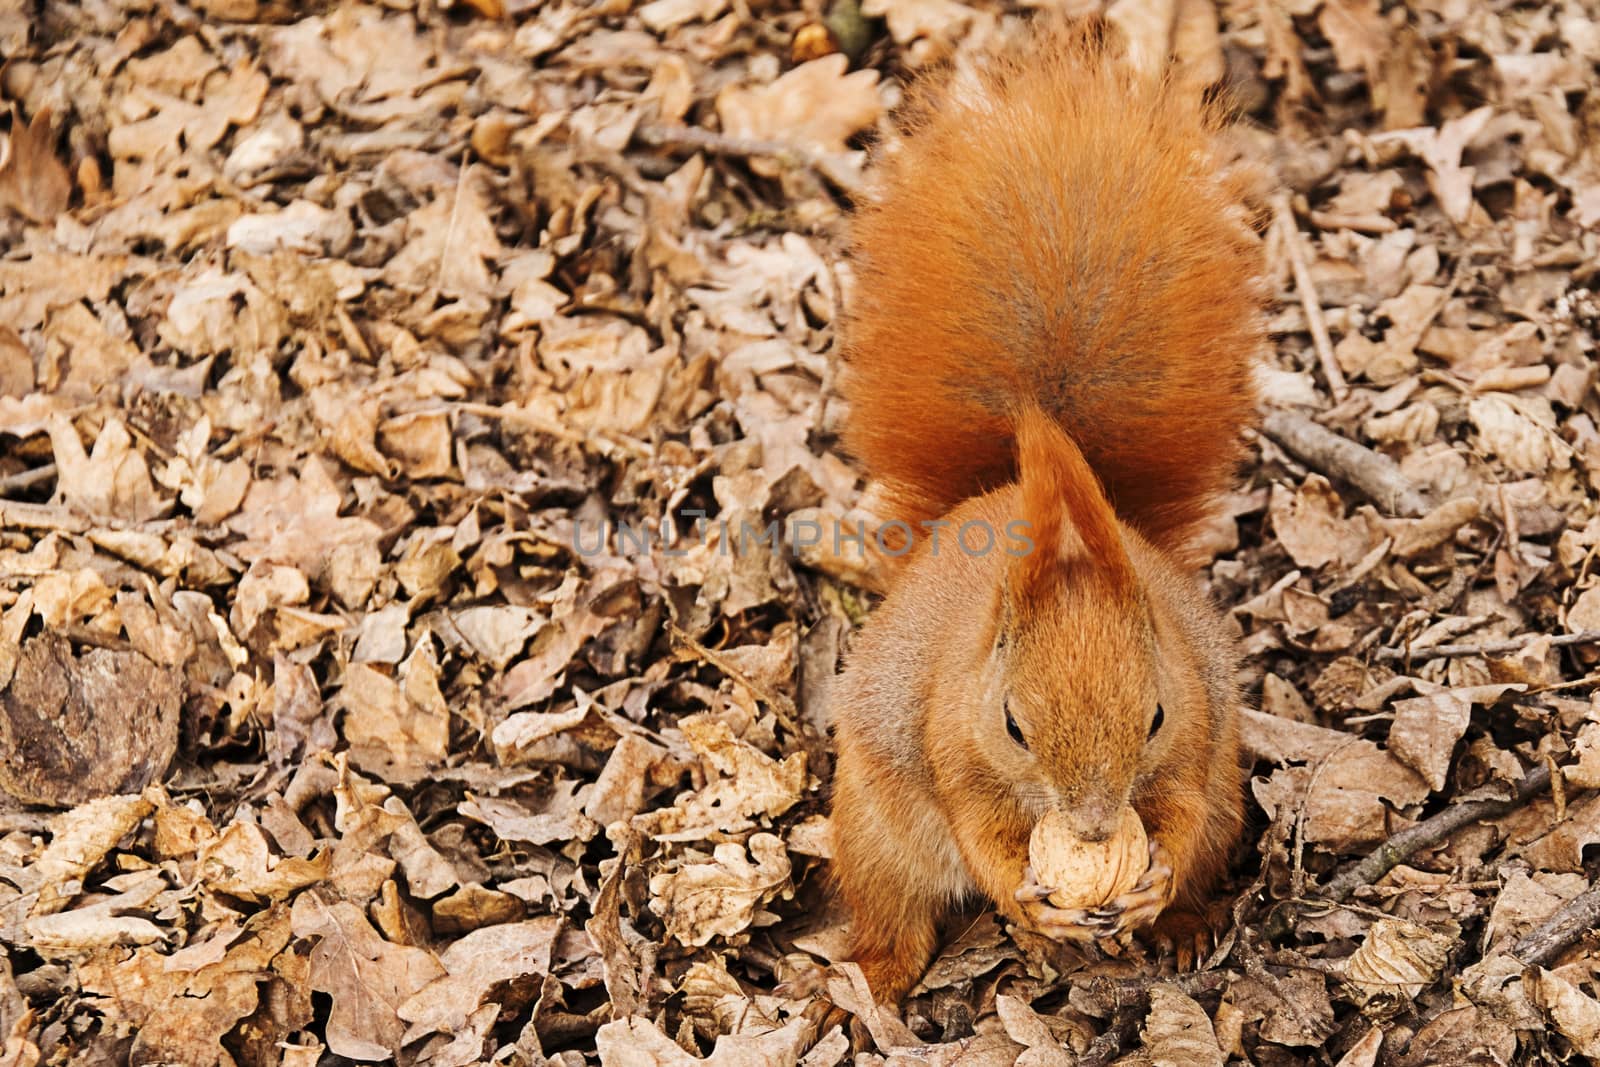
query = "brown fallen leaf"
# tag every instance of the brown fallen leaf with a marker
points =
(367, 977)
(1293, 1010)
(1464, 1034)
(500, 965)
(110, 481)
(1311, 525)
(1575, 1014)
(1177, 1031)
(1360, 38)
(717, 1004)
(241, 863)
(699, 901)
(33, 182)
(1426, 728)
(1033, 1032)
(637, 1042)
(1146, 28)
(1343, 785)
(179, 1005)
(400, 727)
(74, 727)
(1398, 960)
(747, 783)
(817, 106)
(80, 840)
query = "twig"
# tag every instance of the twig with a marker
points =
(1110, 1043)
(27, 479)
(1315, 323)
(26, 516)
(1137, 990)
(1488, 648)
(1431, 831)
(1559, 932)
(1324, 220)
(15, 513)
(1373, 473)
(1297, 878)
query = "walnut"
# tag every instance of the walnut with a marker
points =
(1087, 874)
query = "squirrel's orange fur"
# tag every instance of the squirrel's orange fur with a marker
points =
(1054, 229)
(1055, 311)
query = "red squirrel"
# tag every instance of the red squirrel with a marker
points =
(1056, 308)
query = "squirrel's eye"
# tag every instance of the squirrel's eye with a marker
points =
(1013, 729)
(1155, 723)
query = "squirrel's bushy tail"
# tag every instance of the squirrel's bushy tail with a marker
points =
(1057, 230)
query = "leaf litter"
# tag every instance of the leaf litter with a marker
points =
(397, 662)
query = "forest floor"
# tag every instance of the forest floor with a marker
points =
(333, 339)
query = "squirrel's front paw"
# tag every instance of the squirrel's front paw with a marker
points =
(1058, 924)
(1139, 906)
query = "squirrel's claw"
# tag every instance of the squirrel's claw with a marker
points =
(1031, 891)
(1187, 935)
(1063, 924)
(1058, 924)
(1140, 906)
(1137, 908)
(806, 981)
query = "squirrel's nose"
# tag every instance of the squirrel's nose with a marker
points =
(1092, 818)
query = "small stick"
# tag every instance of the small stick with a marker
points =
(1109, 1045)
(1429, 832)
(1297, 878)
(16, 513)
(1559, 932)
(27, 479)
(1373, 473)
(1315, 323)
(1488, 648)
(1324, 220)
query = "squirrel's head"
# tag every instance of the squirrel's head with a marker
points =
(1080, 701)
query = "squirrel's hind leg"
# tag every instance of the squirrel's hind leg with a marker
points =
(895, 955)
(897, 871)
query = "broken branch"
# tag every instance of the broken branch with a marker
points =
(1432, 831)
(1329, 453)
(1559, 932)
(1488, 648)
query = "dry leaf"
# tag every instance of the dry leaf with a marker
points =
(33, 182)
(1575, 1014)
(1398, 960)
(748, 783)
(816, 106)
(1177, 1032)
(240, 863)
(74, 727)
(1311, 525)
(368, 978)
(1426, 728)
(699, 901)
(79, 841)
(498, 962)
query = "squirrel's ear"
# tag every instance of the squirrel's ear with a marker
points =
(1070, 519)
